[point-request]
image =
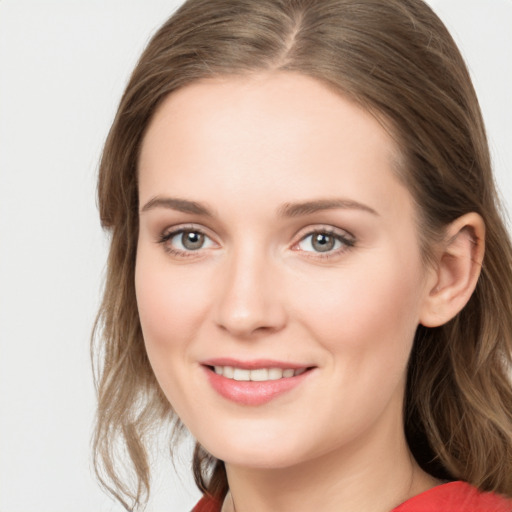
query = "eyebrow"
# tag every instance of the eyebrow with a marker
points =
(180, 205)
(308, 207)
(286, 210)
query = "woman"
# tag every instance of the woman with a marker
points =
(308, 267)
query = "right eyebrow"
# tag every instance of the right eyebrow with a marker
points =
(180, 205)
(309, 207)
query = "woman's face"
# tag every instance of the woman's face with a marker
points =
(276, 247)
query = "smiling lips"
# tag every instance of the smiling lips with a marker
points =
(254, 383)
(258, 374)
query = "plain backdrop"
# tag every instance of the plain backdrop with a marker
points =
(63, 66)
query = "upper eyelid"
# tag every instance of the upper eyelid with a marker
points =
(323, 228)
(180, 228)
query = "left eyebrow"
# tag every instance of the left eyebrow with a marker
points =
(308, 207)
(180, 205)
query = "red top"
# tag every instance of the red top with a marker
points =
(450, 497)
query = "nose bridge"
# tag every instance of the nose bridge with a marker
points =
(249, 297)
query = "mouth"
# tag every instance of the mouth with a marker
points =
(254, 383)
(257, 374)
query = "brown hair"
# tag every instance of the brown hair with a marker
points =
(397, 60)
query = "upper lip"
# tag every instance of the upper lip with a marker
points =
(254, 363)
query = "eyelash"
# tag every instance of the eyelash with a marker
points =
(165, 237)
(348, 242)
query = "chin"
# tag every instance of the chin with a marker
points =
(263, 449)
(258, 458)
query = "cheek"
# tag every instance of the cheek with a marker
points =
(365, 319)
(171, 304)
(170, 301)
(371, 306)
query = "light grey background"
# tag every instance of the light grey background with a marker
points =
(63, 66)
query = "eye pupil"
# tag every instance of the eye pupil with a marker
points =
(192, 240)
(322, 242)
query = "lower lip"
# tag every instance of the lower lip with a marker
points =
(251, 392)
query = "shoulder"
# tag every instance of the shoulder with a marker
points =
(456, 497)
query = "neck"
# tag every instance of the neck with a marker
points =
(373, 474)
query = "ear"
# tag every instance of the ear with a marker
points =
(456, 270)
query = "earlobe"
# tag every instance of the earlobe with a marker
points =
(456, 272)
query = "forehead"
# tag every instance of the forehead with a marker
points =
(266, 104)
(247, 133)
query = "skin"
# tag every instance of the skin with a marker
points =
(258, 288)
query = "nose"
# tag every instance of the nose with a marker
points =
(250, 299)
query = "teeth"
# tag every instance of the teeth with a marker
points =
(228, 371)
(242, 374)
(258, 374)
(275, 374)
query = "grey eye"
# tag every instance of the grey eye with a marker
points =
(322, 242)
(192, 240)
(189, 240)
(325, 242)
